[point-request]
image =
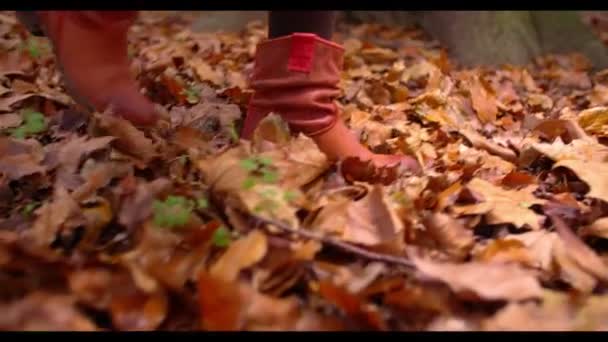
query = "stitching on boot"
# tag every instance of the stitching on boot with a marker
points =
(302, 52)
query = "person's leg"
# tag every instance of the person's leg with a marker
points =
(284, 23)
(296, 75)
(30, 20)
(91, 49)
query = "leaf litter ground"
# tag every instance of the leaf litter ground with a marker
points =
(183, 227)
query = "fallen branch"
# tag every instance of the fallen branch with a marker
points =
(478, 141)
(391, 259)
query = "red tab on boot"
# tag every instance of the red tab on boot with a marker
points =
(302, 52)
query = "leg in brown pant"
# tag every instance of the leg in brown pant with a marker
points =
(296, 74)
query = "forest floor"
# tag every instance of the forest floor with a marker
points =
(185, 227)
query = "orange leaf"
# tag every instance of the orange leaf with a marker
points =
(220, 303)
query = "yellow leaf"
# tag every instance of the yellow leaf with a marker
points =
(578, 149)
(594, 121)
(598, 228)
(487, 281)
(592, 173)
(503, 206)
(368, 221)
(241, 254)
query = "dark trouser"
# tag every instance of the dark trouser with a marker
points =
(30, 21)
(281, 23)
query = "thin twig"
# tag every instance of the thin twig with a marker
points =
(391, 259)
(480, 142)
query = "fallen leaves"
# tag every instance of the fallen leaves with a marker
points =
(594, 121)
(44, 312)
(241, 254)
(20, 159)
(187, 226)
(129, 139)
(487, 281)
(503, 206)
(483, 99)
(371, 220)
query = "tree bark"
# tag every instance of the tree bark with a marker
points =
(500, 37)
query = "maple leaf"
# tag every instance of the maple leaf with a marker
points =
(451, 236)
(371, 220)
(594, 120)
(488, 281)
(503, 206)
(241, 254)
(483, 100)
(129, 139)
(41, 310)
(586, 158)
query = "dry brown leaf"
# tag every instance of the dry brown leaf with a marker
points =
(52, 216)
(478, 141)
(569, 270)
(378, 55)
(205, 72)
(10, 121)
(503, 206)
(420, 70)
(578, 149)
(371, 220)
(487, 281)
(451, 236)
(138, 311)
(298, 162)
(220, 304)
(504, 251)
(554, 314)
(539, 246)
(586, 258)
(129, 139)
(598, 228)
(99, 176)
(138, 207)
(75, 149)
(7, 104)
(551, 129)
(40, 311)
(352, 305)
(592, 173)
(594, 121)
(115, 291)
(483, 100)
(20, 158)
(241, 254)
(230, 306)
(19, 166)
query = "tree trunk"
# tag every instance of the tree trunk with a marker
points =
(564, 31)
(484, 37)
(499, 37)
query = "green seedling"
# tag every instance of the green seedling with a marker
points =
(290, 195)
(34, 48)
(192, 95)
(234, 135)
(202, 203)
(173, 212)
(260, 169)
(33, 123)
(130, 51)
(29, 209)
(182, 159)
(221, 237)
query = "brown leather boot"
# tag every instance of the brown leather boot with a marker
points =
(91, 48)
(297, 77)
